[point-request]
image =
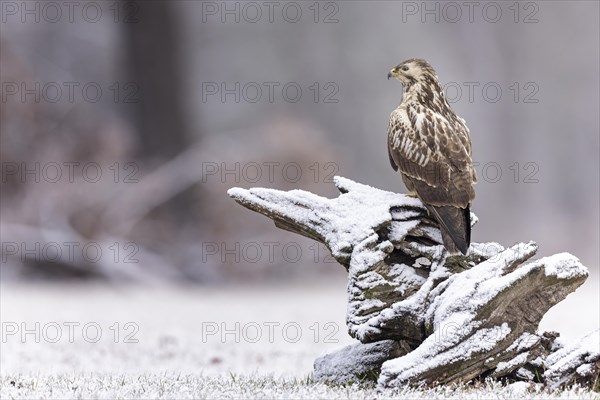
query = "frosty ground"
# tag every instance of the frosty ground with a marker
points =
(195, 342)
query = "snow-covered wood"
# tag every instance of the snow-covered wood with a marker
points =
(453, 318)
(358, 361)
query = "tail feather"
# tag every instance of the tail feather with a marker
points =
(455, 225)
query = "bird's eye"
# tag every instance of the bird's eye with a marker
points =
(404, 68)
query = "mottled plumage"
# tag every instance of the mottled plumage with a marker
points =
(430, 146)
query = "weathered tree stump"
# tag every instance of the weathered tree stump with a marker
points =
(421, 316)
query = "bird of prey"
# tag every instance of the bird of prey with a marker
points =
(430, 146)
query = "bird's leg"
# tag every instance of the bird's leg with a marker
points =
(413, 195)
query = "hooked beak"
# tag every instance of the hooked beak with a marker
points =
(392, 74)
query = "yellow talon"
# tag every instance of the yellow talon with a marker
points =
(413, 195)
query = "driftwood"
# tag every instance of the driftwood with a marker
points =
(421, 316)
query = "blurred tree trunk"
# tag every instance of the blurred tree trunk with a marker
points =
(153, 61)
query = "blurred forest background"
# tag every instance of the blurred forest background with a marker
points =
(123, 124)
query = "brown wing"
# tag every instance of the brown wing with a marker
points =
(435, 152)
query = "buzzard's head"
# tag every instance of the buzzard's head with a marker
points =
(411, 71)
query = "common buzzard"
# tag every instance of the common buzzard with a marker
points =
(430, 146)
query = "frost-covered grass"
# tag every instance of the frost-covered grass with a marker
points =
(197, 386)
(176, 357)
